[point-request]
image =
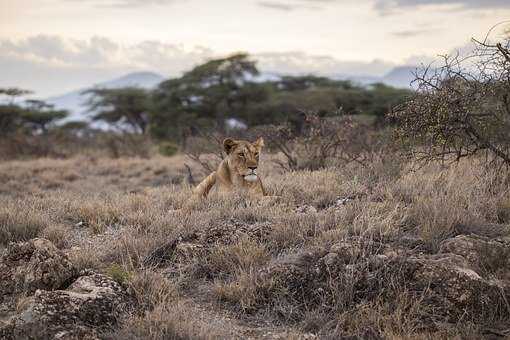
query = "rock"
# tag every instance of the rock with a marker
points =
(91, 304)
(449, 278)
(445, 283)
(491, 230)
(482, 253)
(53, 300)
(36, 264)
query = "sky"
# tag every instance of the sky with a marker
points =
(54, 46)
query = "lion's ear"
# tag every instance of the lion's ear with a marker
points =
(229, 144)
(259, 143)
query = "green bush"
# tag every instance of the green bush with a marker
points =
(117, 273)
(168, 149)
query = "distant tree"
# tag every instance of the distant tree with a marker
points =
(208, 93)
(13, 92)
(291, 96)
(228, 88)
(462, 108)
(381, 99)
(10, 119)
(10, 112)
(28, 117)
(39, 115)
(75, 126)
(123, 107)
(297, 83)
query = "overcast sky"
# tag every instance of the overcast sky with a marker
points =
(52, 46)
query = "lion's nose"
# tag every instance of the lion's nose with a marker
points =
(252, 168)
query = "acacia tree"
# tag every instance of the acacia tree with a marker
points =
(461, 108)
(29, 116)
(207, 93)
(39, 115)
(10, 112)
(122, 107)
(13, 93)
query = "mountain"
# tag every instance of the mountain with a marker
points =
(400, 76)
(75, 101)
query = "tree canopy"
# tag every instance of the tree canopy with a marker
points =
(30, 116)
(127, 107)
(231, 87)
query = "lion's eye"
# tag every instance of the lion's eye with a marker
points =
(257, 154)
(241, 155)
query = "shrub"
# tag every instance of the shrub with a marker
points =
(318, 142)
(20, 222)
(117, 273)
(168, 149)
(461, 108)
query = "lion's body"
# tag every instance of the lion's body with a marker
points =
(238, 171)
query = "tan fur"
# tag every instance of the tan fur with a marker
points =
(236, 170)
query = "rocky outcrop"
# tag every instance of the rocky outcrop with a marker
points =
(28, 266)
(482, 253)
(32, 265)
(447, 283)
(91, 304)
(350, 272)
(53, 299)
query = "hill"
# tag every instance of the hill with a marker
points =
(75, 101)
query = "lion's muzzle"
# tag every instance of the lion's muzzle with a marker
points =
(251, 176)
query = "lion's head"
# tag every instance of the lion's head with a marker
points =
(243, 157)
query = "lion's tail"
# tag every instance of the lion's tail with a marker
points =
(205, 186)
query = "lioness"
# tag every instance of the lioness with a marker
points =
(237, 171)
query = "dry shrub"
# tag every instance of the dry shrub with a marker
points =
(86, 258)
(118, 273)
(441, 201)
(174, 322)
(460, 108)
(241, 291)
(503, 210)
(320, 142)
(397, 320)
(317, 188)
(205, 151)
(20, 221)
(96, 213)
(58, 234)
(152, 289)
(292, 230)
(380, 218)
(241, 256)
(127, 145)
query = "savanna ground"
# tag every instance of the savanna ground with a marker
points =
(217, 277)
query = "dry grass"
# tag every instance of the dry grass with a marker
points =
(108, 213)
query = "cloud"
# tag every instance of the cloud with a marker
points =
(128, 3)
(302, 63)
(411, 33)
(389, 6)
(52, 65)
(277, 5)
(290, 5)
(67, 64)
